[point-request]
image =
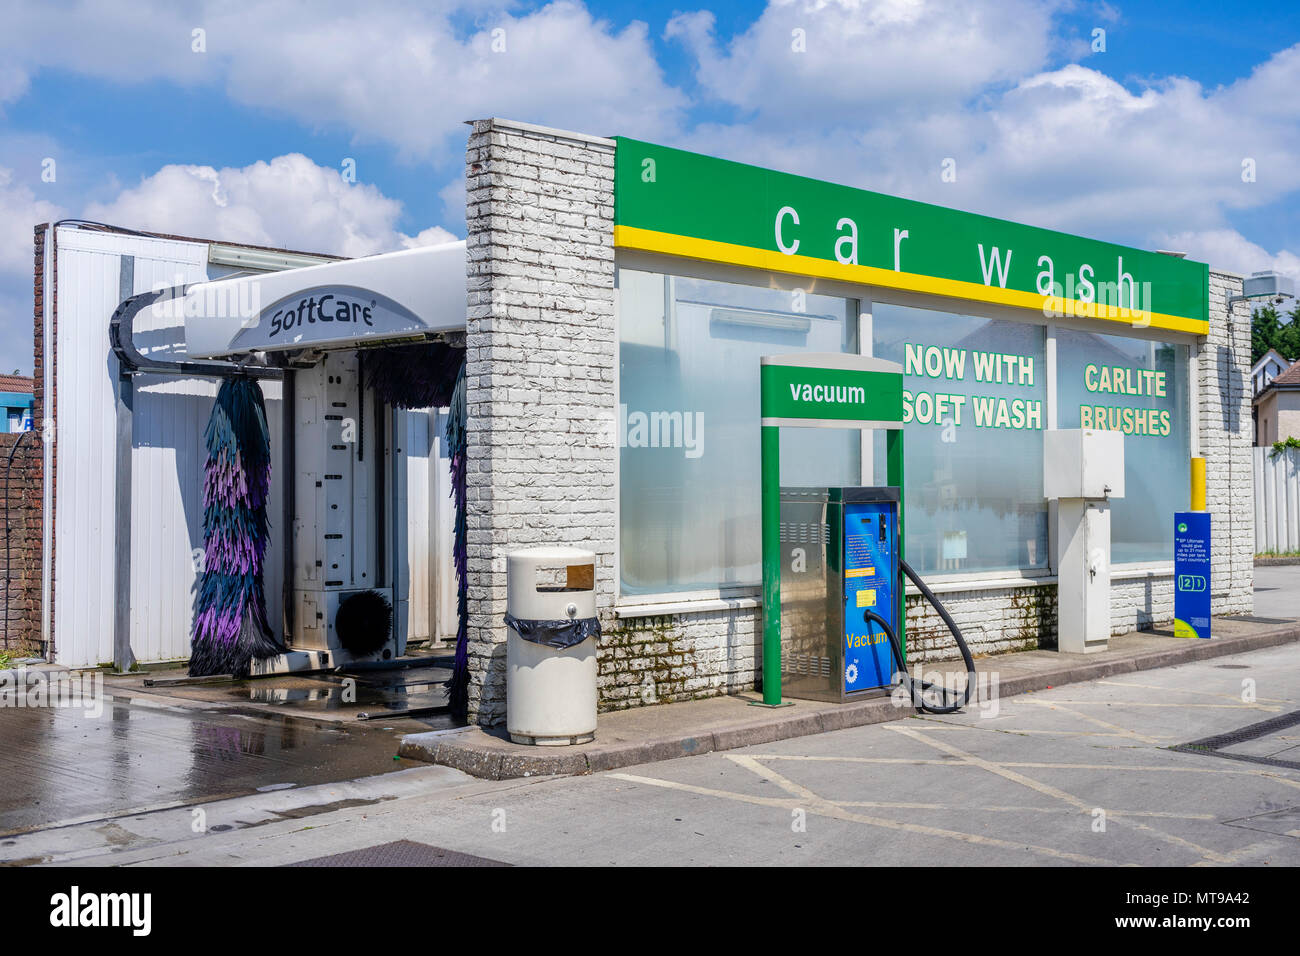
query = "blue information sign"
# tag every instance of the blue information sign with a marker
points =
(1192, 574)
(870, 580)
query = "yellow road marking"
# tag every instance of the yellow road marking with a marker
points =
(815, 804)
(1122, 731)
(1049, 790)
(1199, 693)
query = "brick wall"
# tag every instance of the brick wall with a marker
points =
(20, 542)
(542, 360)
(22, 621)
(1226, 437)
(540, 367)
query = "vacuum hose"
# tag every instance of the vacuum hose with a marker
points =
(949, 705)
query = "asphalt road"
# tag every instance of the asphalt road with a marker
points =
(1078, 775)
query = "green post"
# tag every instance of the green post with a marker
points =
(771, 493)
(894, 476)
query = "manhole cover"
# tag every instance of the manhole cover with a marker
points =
(1257, 743)
(401, 853)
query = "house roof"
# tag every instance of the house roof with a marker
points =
(1273, 354)
(1287, 381)
(16, 383)
(1290, 378)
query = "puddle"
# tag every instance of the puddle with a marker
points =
(76, 765)
(371, 692)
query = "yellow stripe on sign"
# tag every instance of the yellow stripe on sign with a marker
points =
(860, 573)
(709, 250)
(867, 597)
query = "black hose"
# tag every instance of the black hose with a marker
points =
(918, 699)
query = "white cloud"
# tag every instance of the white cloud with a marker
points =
(1068, 148)
(20, 211)
(125, 42)
(401, 72)
(886, 90)
(1229, 249)
(289, 202)
(806, 63)
(433, 236)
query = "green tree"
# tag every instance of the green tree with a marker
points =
(1288, 337)
(1264, 330)
(1267, 331)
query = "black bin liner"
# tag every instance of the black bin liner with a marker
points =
(557, 634)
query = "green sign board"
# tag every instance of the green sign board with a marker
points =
(850, 397)
(680, 203)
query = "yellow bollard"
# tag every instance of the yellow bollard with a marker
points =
(1198, 484)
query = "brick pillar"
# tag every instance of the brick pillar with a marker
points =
(1226, 437)
(541, 364)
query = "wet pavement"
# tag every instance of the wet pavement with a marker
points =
(140, 747)
(1085, 774)
(324, 696)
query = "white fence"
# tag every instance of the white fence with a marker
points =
(1277, 500)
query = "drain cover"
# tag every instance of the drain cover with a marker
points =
(1217, 746)
(401, 853)
(1252, 619)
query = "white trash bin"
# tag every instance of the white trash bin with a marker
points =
(551, 691)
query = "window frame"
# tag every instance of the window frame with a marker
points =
(747, 596)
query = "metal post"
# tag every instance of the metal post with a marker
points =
(771, 492)
(123, 658)
(1198, 484)
(894, 476)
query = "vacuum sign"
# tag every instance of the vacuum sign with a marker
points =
(326, 314)
(679, 203)
(798, 393)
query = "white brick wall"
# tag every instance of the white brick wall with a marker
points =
(540, 368)
(1226, 436)
(542, 360)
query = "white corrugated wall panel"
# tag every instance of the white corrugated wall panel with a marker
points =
(1277, 500)
(167, 459)
(417, 523)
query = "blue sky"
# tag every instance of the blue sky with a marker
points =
(1142, 143)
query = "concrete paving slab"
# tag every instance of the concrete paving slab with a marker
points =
(668, 731)
(1039, 783)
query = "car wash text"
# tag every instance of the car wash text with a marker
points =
(1079, 293)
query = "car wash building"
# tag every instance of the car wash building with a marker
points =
(613, 300)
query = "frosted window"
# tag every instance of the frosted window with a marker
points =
(1138, 387)
(976, 393)
(688, 424)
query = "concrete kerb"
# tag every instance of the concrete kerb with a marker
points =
(483, 754)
